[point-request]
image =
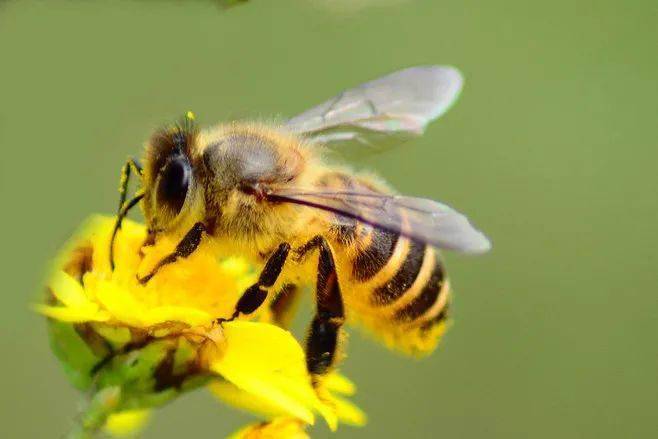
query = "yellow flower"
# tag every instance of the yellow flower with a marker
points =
(144, 345)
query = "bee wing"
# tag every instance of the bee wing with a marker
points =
(394, 107)
(417, 218)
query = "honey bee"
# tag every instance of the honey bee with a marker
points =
(267, 193)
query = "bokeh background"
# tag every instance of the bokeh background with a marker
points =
(552, 150)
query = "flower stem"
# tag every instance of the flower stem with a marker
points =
(92, 418)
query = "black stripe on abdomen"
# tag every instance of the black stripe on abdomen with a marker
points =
(427, 297)
(404, 278)
(369, 261)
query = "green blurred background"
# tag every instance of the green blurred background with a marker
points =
(551, 150)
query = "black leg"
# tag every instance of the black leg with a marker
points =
(256, 294)
(122, 211)
(185, 247)
(322, 341)
(117, 225)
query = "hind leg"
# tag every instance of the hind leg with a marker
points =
(322, 341)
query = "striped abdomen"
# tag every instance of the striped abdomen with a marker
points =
(406, 277)
(400, 284)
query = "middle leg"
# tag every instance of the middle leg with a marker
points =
(255, 295)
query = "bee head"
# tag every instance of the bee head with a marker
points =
(169, 179)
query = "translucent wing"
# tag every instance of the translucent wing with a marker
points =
(394, 107)
(416, 218)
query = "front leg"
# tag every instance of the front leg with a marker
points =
(120, 217)
(124, 207)
(322, 341)
(185, 248)
(256, 294)
(130, 165)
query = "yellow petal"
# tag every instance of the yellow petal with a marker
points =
(259, 347)
(68, 290)
(348, 413)
(232, 395)
(326, 406)
(127, 423)
(280, 428)
(238, 398)
(73, 314)
(120, 303)
(338, 383)
(267, 361)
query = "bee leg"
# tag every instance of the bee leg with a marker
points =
(322, 341)
(284, 305)
(131, 165)
(117, 225)
(122, 210)
(185, 247)
(256, 294)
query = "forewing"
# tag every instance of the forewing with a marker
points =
(417, 218)
(396, 106)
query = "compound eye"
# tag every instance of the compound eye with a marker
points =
(174, 184)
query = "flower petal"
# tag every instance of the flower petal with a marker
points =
(338, 383)
(120, 303)
(68, 290)
(267, 361)
(348, 413)
(73, 314)
(232, 395)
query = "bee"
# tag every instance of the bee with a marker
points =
(266, 192)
